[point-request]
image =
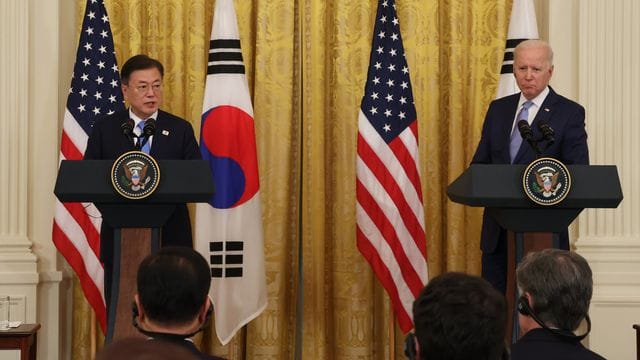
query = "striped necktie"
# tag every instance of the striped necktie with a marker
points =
(516, 138)
(142, 139)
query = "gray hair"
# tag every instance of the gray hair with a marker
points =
(560, 284)
(535, 43)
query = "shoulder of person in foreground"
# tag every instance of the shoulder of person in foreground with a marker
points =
(143, 349)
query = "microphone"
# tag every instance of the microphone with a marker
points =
(127, 129)
(149, 128)
(527, 134)
(147, 132)
(525, 130)
(547, 133)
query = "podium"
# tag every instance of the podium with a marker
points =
(499, 189)
(136, 222)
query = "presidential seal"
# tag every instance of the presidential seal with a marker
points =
(546, 181)
(135, 175)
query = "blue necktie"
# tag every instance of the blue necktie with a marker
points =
(516, 138)
(142, 139)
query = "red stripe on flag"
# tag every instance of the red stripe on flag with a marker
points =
(68, 148)
(370, 206)
(390, 185)
(381, 270)
(406, 160)
(82, 219)
(91, 292)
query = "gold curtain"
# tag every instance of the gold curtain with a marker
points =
(306, 65)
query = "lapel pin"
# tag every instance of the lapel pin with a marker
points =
(546, 109)
(166, 132)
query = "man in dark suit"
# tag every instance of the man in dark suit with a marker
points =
(556, 287)
(173, 140)
(172, 303)
(501, 143)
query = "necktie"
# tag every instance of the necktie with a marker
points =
(142, 139)
(516, 138)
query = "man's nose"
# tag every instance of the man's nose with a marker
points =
(528, 74)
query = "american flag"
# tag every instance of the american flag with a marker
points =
(389, 210)
(94, 93)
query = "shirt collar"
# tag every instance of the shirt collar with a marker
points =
(537, 101)
(136, 119)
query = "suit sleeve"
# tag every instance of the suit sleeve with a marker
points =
(94, 145)
(483, 151)
(190, 149)
(574, 148)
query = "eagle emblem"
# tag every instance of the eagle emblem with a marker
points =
(548, 184)
(546, 181)
(135, 175)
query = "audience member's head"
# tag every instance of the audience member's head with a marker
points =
(556, 286)
(459, 317)
(141, 349)
(173, 287)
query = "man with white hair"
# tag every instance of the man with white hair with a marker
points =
(501, 143)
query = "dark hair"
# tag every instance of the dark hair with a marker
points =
(139, 62)
(560, 284)
(173, 284)
(460, 317)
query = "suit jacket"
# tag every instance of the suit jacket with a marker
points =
(188, 345)
(174, 140)
(542, 344)
(566, 117)
(194, 350)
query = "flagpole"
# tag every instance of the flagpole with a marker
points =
(392, 334)
(93, 345)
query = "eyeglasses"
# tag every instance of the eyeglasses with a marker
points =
(144, 88)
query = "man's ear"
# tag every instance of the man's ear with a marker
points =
(202, 313)
(125, 91)
(141, 313)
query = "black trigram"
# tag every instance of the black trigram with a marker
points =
(507, 62)
(225, 57)
(226, 258)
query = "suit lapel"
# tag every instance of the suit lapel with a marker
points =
(125, 143)
(545, 111)
(507, 125)
(158, 138)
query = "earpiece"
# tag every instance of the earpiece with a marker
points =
(410, 346)
(523, 306)
(526, 310)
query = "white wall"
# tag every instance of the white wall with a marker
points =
(35, 69)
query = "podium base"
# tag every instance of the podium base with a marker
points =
(131, 246)
(518, 245)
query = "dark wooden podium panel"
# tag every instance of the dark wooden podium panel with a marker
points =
(518, 245)
(135, 244)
